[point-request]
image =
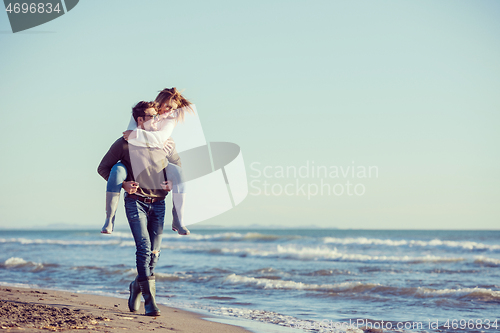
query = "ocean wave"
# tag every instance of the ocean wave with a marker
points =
(104, 270)
(172, 277)
(118, 241)
(224, 236)
(164, 246)
(266, 270)
(325, 253)
(264, 283)
(231, 237)
(328, 272)
(219, 298)
(25, 241)
(481, 260)
(18, 285)
(16, 262)
(465, 245)
(162, 276)
(477, 293)
(119, 234)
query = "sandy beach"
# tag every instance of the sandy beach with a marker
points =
(38, 310)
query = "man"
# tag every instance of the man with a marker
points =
(146, 188)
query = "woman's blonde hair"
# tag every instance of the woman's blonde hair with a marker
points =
(174, 95)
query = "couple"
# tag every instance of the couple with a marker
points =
(144, 162)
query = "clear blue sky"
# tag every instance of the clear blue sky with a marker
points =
(411, 87)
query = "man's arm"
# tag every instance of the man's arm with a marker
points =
(114, 154)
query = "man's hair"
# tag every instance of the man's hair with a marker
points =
(139, 108)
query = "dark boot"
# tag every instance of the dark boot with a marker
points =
(134, 300)
(148, 289)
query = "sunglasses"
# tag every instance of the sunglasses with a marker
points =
(155, 117)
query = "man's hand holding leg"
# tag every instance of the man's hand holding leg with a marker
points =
(130, 187)
(167, 186)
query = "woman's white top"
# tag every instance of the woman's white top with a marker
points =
(153, 139)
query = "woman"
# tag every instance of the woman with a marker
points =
(172, 109)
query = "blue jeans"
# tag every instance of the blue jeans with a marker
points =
(146, 223)
(116, 177)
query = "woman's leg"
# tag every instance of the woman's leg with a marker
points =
(117, 176)
(174, 174)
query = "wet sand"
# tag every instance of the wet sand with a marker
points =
(37, 310)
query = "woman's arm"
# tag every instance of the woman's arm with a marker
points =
(154, 139)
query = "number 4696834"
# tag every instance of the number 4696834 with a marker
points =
(32, 8)
(471, 324)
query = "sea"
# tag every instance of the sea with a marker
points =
(314, 280)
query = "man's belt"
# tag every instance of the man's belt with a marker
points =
(144, 199)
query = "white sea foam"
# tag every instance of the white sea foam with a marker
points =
(117, 235)
(164, 276)
(466, 245)
(58, 241)
(469, 293)
(18, 285)
(481, 260)
(359, 287)
(15, 261)
(228, 237)
(172, 277)
(282, 284)
(325, 253)
(115, 241)
(164, 245)
(20, 262)
(120, 234)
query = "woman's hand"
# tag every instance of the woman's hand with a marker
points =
(130, 187)
(129, 135)
(169, 146)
